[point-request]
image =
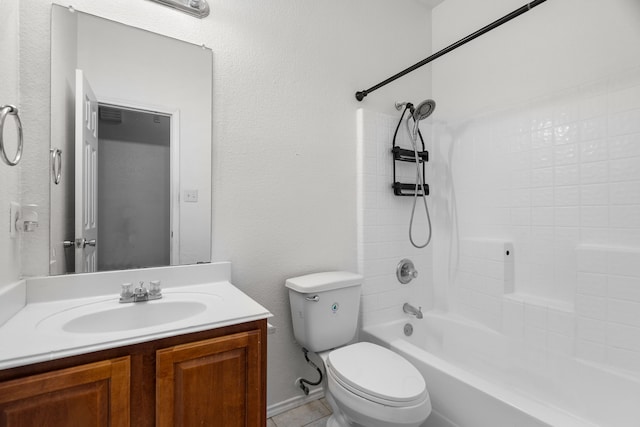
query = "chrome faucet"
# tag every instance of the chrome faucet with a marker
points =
(409, 309)
(140, 293)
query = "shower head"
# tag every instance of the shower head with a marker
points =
(424, 110)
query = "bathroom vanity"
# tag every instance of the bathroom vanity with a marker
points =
(76, 362)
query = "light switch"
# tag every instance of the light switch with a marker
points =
(191, 196)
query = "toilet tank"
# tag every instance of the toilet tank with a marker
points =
(324, 308)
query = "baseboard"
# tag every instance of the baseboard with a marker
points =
(437, 420)
(294, 402)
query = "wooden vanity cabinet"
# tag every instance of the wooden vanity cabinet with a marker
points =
(210, 383)
(96, 394)
(211, 378)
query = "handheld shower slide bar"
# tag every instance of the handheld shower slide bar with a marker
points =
(527, 7)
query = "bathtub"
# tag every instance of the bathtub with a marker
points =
(479, 378)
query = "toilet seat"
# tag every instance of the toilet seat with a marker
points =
(377, 374)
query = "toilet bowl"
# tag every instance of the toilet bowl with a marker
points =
(369, 385)
(366, 385)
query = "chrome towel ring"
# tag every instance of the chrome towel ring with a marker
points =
(4, 111)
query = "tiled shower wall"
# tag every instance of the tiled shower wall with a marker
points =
(383, 223)
(558, 178)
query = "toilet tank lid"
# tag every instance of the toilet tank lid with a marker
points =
(326, 281)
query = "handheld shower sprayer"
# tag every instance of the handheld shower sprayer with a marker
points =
(421, 112)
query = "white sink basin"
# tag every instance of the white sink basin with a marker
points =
(108, 316)
(133, 316)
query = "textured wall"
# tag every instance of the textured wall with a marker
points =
(284, 132)
(538, 136)
(9, 176)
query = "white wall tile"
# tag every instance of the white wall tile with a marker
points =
(596, 172)
(625, 146)
(624, 312)
(590, 330)
(567, 175)
(594, 194)
(624, 123)
(629, 360)
(566, 154)
(624, 169)
(542, 196)
(623, 288)
(561, 322)
(594, 216)
(591, 351)
(625, 216)
(592, 260)
(535, 316)
(624, 263)
(623, 336)
(567, 196)
(561, 344)
(592, 284)
(624, 193)
(591, 306)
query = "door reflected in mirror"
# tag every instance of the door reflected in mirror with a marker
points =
(134, 191)
(135, 183)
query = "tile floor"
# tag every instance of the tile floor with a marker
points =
(312, 414)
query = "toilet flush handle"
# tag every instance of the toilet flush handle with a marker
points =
(314, 298)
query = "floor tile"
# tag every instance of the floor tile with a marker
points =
(302, 415)
(322, 422)
(326, 404)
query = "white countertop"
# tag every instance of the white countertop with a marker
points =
(36, 334)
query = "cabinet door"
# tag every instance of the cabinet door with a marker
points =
(90, 395)
(215, 382)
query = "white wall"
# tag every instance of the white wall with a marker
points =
(538, 136)
(62, 196)
(9, 176)
(284, 133)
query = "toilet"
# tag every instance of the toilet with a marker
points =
(365, 384)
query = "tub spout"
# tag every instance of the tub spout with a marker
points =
(409, 309)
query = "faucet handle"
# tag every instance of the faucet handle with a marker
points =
(126, 290)
(154, 287)
(406, 271)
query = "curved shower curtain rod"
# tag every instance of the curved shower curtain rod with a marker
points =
(527, 7)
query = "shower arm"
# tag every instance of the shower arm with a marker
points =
(527, 7)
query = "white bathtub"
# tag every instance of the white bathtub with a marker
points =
(479, 378)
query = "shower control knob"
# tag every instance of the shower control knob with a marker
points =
(406, 272)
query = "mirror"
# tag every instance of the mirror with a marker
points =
(130, 147)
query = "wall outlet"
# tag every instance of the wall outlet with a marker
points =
(191, 196)
(14, 215)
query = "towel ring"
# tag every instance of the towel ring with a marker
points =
(56, 165)
(13, 110)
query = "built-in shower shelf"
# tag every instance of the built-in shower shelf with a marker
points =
(404, 155)
(400, 189)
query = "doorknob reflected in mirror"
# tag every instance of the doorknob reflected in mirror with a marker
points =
(80, 243)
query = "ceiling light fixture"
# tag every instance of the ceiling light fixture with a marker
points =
(197, 8)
